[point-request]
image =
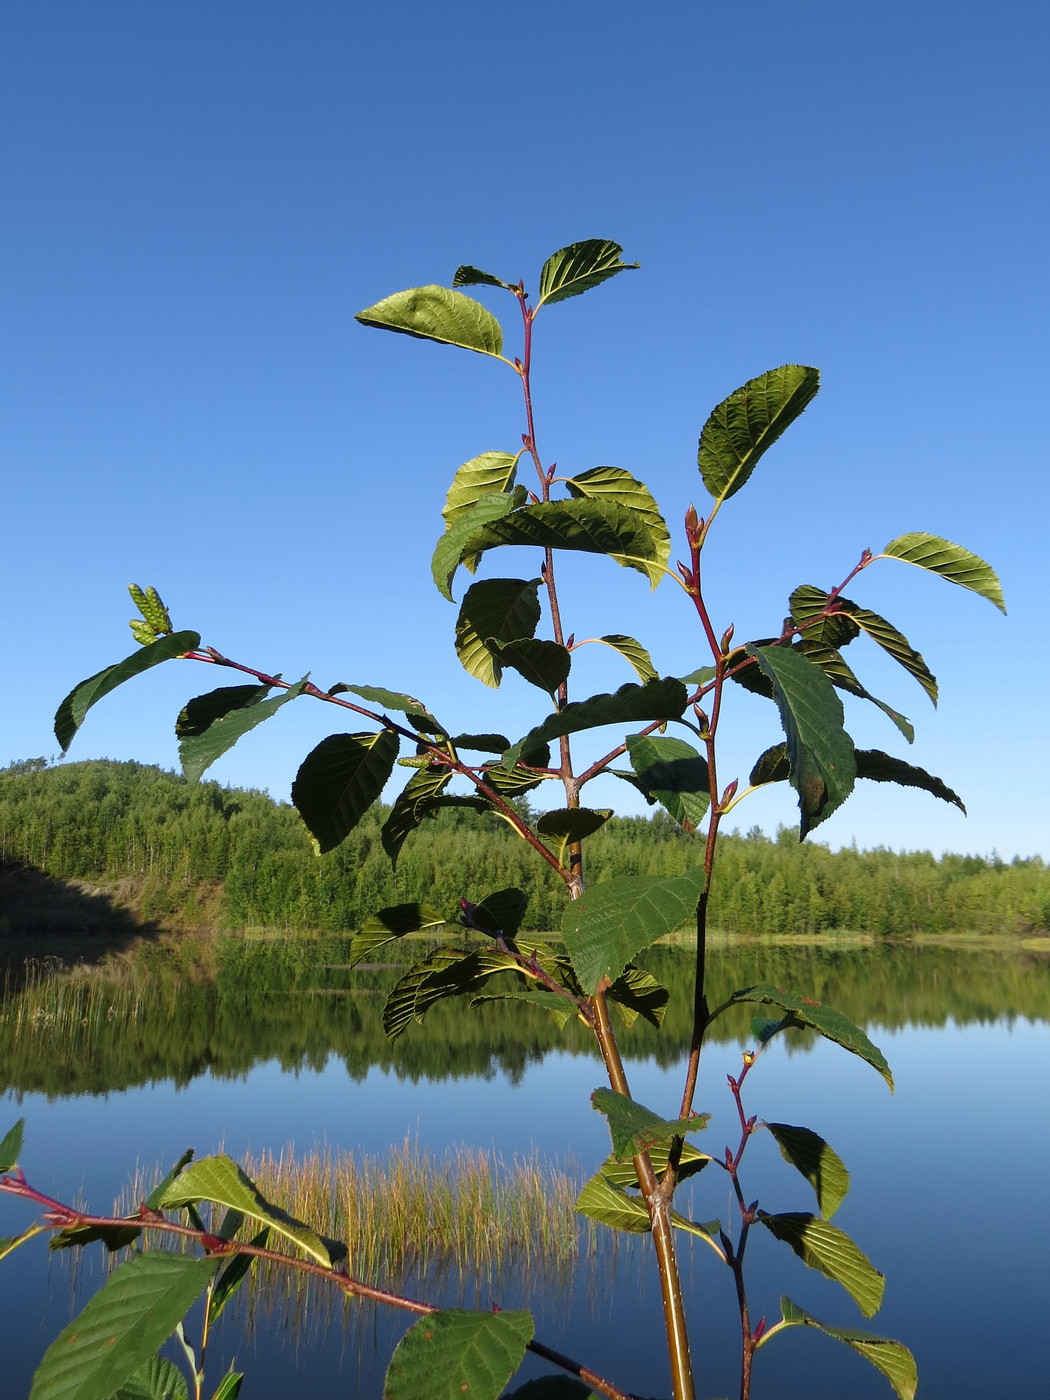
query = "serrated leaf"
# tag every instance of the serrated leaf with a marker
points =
(691, 1161)
(881, 767)
(411, 806)
(445, 972)
(488, 472)
(656, 700)
(11, 1146)
(615, 484)
(950, 561)
(637, 993)
(820, 752)
(481, 743)
(467, 276)
(233, 1276)
(634, 1128)
(159, 1379)
(839, 674)
(512, 781)
(121, 1327)
(220, 1180)
(338, 782)
(609, 925)
(71, 713)
(577, 268)
(807, 604)
(200, 713)
(674, 774)
(634, 652)
(543, 664)
(451, 1354)
(893, 1359)
(454, 545)
(820, 1164)
(116, 1237)
(894, 643)
(771, 767)
(500, 912)
(748, 422)
(566, 825)
(600, 1200)
(437, 313)
(829, 1023)
(560, 1008)
(408, 705)
(392, 922)
(198, 752)
(496, 610)
(831, 1252)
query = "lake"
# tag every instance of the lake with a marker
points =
(948, 1194)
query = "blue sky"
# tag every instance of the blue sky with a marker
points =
(199, 197)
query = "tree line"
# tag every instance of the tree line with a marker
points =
(103, 820)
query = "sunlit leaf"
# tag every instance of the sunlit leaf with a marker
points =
(950, 561)
(893, 1359)
(674, 774)
(467, 276)
(577, 268)
(635, 1128)
(408, 705)
(894, 643)
(437, 313)
(831, 1252)
(494, 610)
(690, 1161)
(600, 1200)
(70, 714)
(229, 1388)
(452, 548)
(11, 1146)
(748, 422)
(820, 1164)
(198, 752)
(631, 704)
(451, 1354)
(159, 1379)
(491, 471)
(634, 652)
(615, 484)
(338, 782)
(831, 1024)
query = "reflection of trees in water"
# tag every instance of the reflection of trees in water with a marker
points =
(289, 1001)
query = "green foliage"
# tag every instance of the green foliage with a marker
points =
(452, 1353)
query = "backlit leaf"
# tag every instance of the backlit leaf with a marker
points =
(637, 993)
(893, 1359)
(672, 772)
(950, 561)
(600, 1200)
(494, 610)
(491, 471)
(882, 768)
(500, 912)
(200, 714)
(748, 422)
(839, 674)
(338, 782)
(11, 1146)
(415, 710)
(445, 972)
(615, 484)
(820, 1164)
(70, 714)
(411, 806)
(452, 548)
(543, 664)
(566, 825)
(451, 1354)
(631, 704)
(437, 313)
(894, 643)
(577, 268)
(467, 276)
(634, 652)
(634, 1128)
(807, 604)
(390, 923)
(199, 751)
(831, 1024)
(831, 1252)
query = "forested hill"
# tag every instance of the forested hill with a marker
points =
(105, 822)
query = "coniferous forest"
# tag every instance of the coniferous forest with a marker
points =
(247, 861)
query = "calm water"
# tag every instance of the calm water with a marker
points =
(948, 1193)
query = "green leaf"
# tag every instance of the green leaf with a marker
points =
(437, 313)
(467, 276)
(71, 713)
(220, 1179)
(393, 922)
(482, 475)
(609, 925)
(200, 714)
(836, 629)
(566, 825)
(634, 1128)
(577, 268)
(831, 1252)
(880, 767)
(9, 1243)
(894, 643)
(634, 652)
(511, 781)
(951, 561)
(631, 704)
(416, 711)
(482, 743)
(446, 972)
(560, 1008)
(230, 1386)
(501, 912)
(674, 774)
(338, 782)
(637, 993)
(829, 1023)
(771, 767)
(199, 751)
(893, 1359)
(553, 1388)
(820, 752)
(544, 664)
(495, 610)
(159, 1379)
(820, 1164)
(121, 1327)
(615, 484)
(11, 1146)
(748, 422)
(600, 1200)
(840, 676)
(451, 1354)
(703, 675)
(453, 547)
(411, 806)
(691, 1161)
(231, 1278)
(116, 1237)
(586, 525)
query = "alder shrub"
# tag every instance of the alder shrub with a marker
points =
(658, 733)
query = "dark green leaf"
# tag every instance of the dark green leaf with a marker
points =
(882, 768)
(819, 750)
(437, 313)
(606, 928)
(634, 1128)
(490, 472)
(840, 675)
(200, 714)
(338, 782)
(951, 561)
(11, 1146)
(771, 767)
(831, 1252)
(577, 268)
(560, 1008)
(411, 806)
(545, 665)
(501, 912)
(231, 1278)
(637, 993)
(631, 704)
(70, 714)
(674, 774)
(837, 629)
(553, 1388)
(893, 642)
(822, 1167)
(635, 653)
(199, 751)
(467, 276)
(615, 484)
(495, 610)
(416, 711)
(121, 1327)
(116, 1237)
(455, 544)
(230, 1386)
(830, 1024)
(566, 825)
(446, 972)
(748, 422)
(451, 1354)
(159, 1379)
(893, 1359)
(392, 922)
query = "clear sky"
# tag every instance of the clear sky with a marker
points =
(198, 197)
